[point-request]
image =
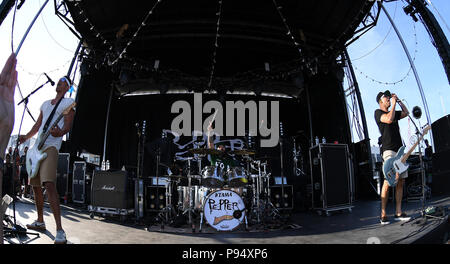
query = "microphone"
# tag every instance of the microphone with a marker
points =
(49, 79)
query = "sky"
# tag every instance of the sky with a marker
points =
(377, 55)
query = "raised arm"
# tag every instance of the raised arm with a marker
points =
(389, 117)
(210, 139)
(405, 111)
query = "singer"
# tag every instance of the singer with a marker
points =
(391, 141)
(50, 110)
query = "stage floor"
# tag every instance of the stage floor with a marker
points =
(358, 227)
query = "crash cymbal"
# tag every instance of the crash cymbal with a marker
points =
(201, 151)
(242, 152)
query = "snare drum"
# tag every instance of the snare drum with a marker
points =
(224, 210)
(212, 177)
(237, 177)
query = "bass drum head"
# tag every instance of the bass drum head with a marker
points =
(224, 210)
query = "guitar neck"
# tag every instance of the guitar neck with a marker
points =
(406, 156)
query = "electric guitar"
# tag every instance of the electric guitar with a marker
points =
(36, 154)
(398, 163)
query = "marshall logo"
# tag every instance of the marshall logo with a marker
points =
(108, 188)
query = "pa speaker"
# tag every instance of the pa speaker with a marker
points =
(441, 134)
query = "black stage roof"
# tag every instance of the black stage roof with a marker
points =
(181, 34)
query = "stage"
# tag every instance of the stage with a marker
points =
(361, 226)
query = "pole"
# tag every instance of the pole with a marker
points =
(29, 28)
(424, 100)
(106, 124)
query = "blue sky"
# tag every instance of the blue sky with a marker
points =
(389, 63)
(50, 46)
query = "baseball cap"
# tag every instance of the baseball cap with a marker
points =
(386, 93)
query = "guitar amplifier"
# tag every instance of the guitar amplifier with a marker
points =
(331, 177)
(79, 182)
(62, 175)
(112, 189)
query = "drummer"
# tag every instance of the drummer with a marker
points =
(223, 160)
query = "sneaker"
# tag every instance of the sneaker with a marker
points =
(384, 220)
(60, 237)
(38, 226)
(402, 217)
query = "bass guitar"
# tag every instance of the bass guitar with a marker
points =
(36, 154)
(398, 163)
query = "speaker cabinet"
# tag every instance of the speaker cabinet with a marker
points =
(155, 198)
(331, 177)
(282, 197)
(79, 182)
(112, 189)
(441, 134)
(62, 175)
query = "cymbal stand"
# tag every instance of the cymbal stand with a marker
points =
(258, 193)
(297, 152)
(168, 211)
(268, 206)
(191, 199)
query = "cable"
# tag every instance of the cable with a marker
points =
(12, 27)
(407, 74)
(51, 36)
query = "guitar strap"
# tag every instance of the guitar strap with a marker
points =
(51, 116)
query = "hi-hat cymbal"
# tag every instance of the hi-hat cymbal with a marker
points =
(202, 151)
(242, 152)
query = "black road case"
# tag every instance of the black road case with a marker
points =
(331, 178)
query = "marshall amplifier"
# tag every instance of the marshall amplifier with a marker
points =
(331, 177)
(79, 182)
(62, 175)
(112, 189)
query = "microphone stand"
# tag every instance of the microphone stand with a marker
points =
(422, 171)
(15, 230)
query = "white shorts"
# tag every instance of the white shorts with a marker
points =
(387, 154)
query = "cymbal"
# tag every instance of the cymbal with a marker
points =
(266, 158)
(202, 151)
(242, 152)
(173, 176)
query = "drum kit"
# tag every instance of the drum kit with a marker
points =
(225, 197)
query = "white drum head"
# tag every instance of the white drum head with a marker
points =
(221, 208)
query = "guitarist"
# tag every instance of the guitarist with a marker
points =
(391, 141)
(47, 170)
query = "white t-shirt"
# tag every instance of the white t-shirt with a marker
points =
(46, 110)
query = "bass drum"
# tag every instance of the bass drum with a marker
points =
(224, 210)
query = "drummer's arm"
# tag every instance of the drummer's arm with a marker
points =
(210, 139)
